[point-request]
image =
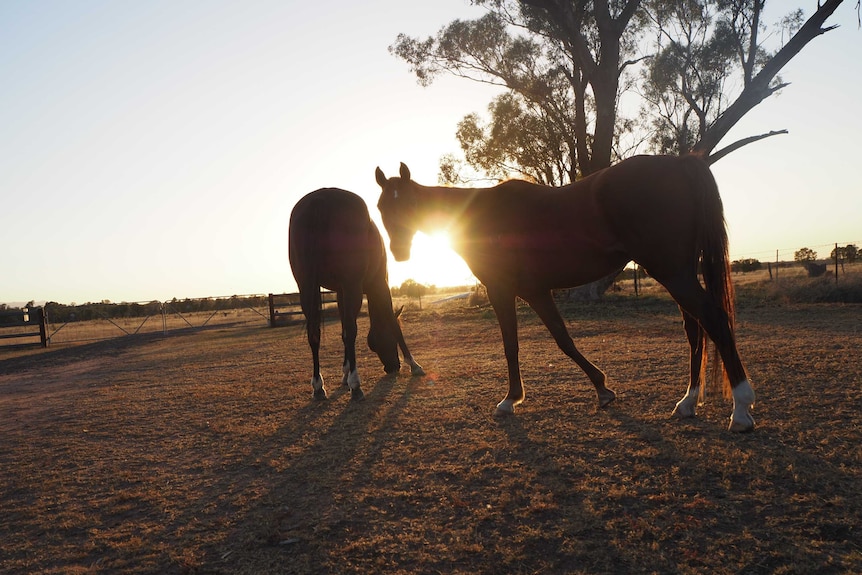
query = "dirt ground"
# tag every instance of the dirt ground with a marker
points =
(203, 452)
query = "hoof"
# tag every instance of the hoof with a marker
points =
(682, 413)
(317, 386)
(606, 397)
(683, 410)
(356, 394)
(741, 426)
(687, 406)
(505, 407)
(417, 370)
(743, 400)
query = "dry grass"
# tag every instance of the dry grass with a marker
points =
(204, 453)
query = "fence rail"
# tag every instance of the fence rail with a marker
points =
(26, 323)
(94, 322)
(60, 324)
(284, 308)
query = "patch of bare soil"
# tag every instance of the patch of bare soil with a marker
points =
(205, 453)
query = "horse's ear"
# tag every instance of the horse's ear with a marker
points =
(405, 171)
(398, 313)
(381, 179)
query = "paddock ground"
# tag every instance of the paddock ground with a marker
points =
(203, 452)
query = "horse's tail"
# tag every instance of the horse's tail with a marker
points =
(715, 260)
(309, 284)
(314, 320)
(315, 250)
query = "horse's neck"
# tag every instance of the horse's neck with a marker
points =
(443, 208)
(379, 301)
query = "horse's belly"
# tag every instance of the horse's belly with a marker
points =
(545, 268)
(563, 270)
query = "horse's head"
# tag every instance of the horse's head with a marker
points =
(383, 340)
(397, 205)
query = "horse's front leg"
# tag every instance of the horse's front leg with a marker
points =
(504, 307)
(311, 310)
(415, 368)
(543, 304)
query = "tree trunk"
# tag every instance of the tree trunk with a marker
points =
(592, 292)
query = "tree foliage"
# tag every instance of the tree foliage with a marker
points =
(746, 265)
(412, 288)
(805, 255)
(702, 48)
(561, 93)
(565, 64)
(698, 66)
(845, 254)
(520, 138)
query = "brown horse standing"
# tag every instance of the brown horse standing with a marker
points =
(522, 239)
(334, 244)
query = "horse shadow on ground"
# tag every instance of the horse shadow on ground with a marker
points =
(673, 491)
(569, 528)
(306, 473)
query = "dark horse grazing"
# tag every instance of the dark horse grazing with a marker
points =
(334, 244)
(522, 239)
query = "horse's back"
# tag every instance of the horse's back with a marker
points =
(332, 240)
(319, 206)
(644, 208)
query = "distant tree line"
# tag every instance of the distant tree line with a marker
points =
(62, 313)
(840, 255)
(412, 288)
(745, 265)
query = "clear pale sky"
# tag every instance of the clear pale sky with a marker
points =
(151, 150)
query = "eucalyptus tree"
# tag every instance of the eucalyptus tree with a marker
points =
(561, 71)
(702, 49)
(565, 64)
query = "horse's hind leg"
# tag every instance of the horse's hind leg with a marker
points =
(311, 309)
(543, 304)
(687, 406)
(692, 298)
(349, 304)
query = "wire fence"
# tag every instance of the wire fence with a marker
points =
(93, 322)
(821, 253)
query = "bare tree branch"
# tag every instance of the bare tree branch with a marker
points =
(713, 158)
(758, 89)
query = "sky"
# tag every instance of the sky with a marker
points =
(152, 150)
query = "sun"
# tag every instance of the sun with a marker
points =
(432, 262)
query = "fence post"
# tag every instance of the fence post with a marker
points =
(776, 265)
(836, 263)
(43, 325)
(271, 311)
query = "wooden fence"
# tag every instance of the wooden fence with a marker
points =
(284, 308)
(27, 323)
